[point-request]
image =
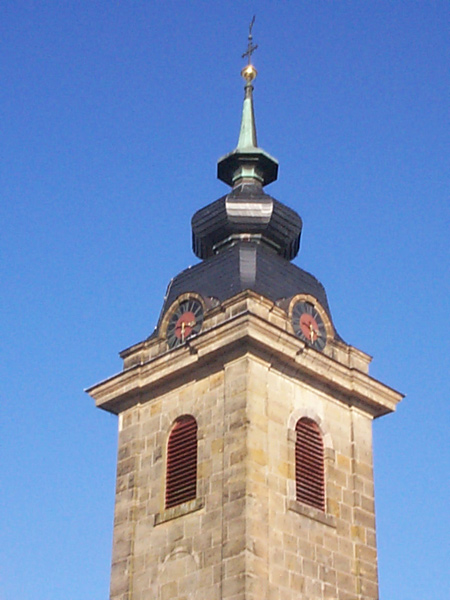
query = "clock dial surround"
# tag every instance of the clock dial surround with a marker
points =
(309, 325)
(185, 321)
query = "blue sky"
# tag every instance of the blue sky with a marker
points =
(113, 115)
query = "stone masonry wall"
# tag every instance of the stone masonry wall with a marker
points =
(297, 551)
(245, 537)
(196, 550)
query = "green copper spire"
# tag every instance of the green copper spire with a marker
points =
(247, 135)
(248, 163)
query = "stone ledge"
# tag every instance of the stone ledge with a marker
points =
(179, 511)
(311, 512)
(246, 330)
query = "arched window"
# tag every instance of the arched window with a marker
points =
(309, 464)
(181, 476)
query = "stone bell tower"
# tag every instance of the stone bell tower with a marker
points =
(245, 421)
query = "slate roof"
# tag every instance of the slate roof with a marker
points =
(242, 266)
(247, 209)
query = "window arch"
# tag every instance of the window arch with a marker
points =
(309, 464)
(181, 475)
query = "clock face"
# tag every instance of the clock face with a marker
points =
(186, 321)
(308, 325)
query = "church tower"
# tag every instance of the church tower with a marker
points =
(245, 421)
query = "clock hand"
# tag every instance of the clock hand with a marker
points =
(184, 325)
(313, 331)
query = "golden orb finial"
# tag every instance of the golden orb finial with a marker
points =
(249, 73)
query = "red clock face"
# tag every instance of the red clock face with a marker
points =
(186, 321)
(308, 325)
(184, 325)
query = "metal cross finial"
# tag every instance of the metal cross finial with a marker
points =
(250, 47)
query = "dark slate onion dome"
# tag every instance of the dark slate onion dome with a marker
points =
(246, 213)
(246, 239)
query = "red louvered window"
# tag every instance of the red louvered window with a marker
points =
(309, 464)
(181, 477)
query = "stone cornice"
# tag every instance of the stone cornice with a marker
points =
(248, 324)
